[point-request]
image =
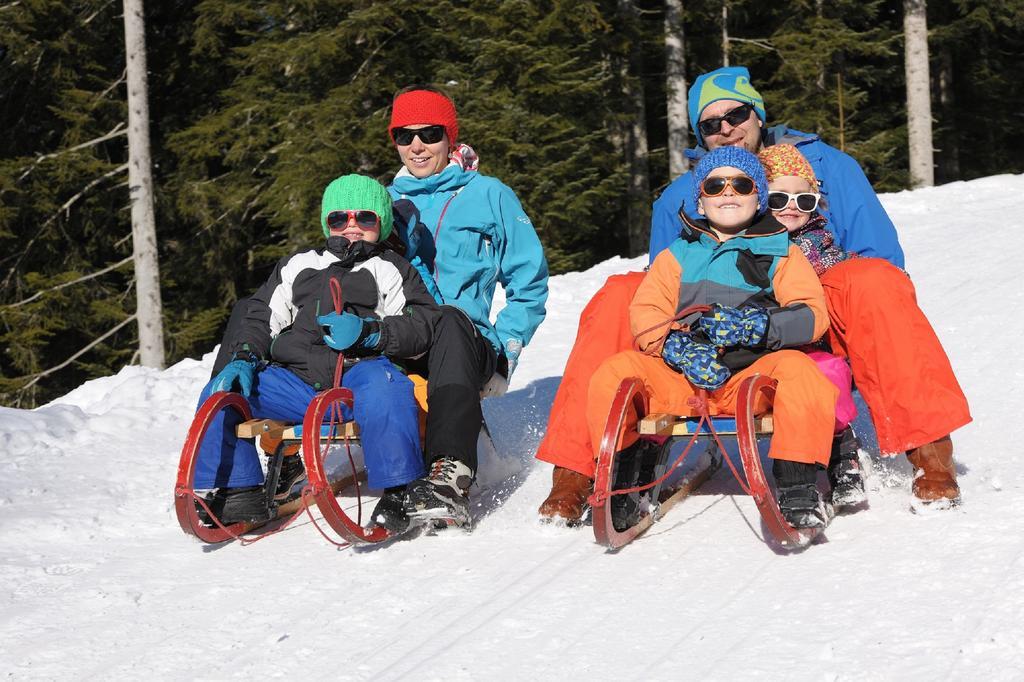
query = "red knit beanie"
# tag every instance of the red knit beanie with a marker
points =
(427, 107)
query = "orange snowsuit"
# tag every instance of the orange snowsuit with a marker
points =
(898, 363)
(700, 270)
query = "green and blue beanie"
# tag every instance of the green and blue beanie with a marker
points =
(737, 157)
(728, 82)
(357, 193)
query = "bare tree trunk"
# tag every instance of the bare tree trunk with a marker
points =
(919, 106)
(639, 190)
(725, 32)
(819, 11)
(949, 154)
(675, 84)
(149, 309)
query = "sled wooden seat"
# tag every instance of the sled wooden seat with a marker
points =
(275, 429)
(664, 424)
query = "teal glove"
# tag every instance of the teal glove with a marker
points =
(513, 347)
(242, 371)
(345, 330)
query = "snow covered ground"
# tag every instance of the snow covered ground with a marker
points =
(97, 581)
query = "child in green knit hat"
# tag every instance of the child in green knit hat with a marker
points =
(287, 347)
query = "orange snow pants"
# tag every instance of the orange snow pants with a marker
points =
(603, 331)
(803, 409)
(898, 363)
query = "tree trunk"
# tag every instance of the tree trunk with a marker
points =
(725, 32)
(149, 309)
(639, 190)
(675, 84)
(919, 107)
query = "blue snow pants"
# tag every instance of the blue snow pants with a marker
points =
(384, 408)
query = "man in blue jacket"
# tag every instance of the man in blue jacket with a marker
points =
(729, 111)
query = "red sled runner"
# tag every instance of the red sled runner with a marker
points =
(321, 429)
(640, 473)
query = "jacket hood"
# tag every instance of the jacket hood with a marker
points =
(765, 226)
(451, 178)
(350, 253)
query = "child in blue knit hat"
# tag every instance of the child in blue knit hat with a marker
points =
(765, 301)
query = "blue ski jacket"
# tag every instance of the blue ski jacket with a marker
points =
(854, 214)
(477, 235)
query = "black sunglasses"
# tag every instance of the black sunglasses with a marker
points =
(365, 220)
(734, 117)
(740, 184)
(428, 135)
(805, 201)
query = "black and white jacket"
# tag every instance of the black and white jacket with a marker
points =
(376, 283)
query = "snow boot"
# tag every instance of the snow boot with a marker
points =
(568, 497)
(845, 473)
(935, 478)
(234, 505)
(799, 500)
(292, 473)
(443, 496)
(635, 466)
(390, 510)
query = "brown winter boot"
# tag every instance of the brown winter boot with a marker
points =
(935, 473)
(568, 497)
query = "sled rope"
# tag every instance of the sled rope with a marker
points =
(243, 541)
(700, 403)
(675, 318)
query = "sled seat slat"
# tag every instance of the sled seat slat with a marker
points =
(291, 432)
(664, 424)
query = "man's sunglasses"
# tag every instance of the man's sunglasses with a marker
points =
(734, 117)
(740, 184)
(428, 135)
(365, 220)
(805, 201)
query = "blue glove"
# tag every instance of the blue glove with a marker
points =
(345, 330)
(725, 326)
(698, 362)
(242, 371)
(513, 347)
(497, 385)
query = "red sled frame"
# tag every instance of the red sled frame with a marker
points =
(321, 428)
(632, 397)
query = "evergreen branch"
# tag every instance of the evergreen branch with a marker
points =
(121, 79)
(117, 131)
(763, 44)
(83, 278)
(64, 207)
(366, 62)
(92, 344)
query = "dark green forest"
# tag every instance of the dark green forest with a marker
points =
(256, 105)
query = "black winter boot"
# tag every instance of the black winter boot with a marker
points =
(634, 466)
(799, 499)
(234, 505)
(292, 473)
(390, 510)
(442, 496)
(845, 472)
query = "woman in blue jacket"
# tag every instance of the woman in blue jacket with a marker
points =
(467, 232)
